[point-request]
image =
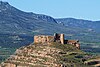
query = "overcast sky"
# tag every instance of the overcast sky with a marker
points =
(81, 9)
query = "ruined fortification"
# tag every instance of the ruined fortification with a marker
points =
(56, 38)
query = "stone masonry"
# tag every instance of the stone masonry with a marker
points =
(56, 38)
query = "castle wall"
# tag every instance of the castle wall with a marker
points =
(43, 39)
(56, 38)
(74, 42)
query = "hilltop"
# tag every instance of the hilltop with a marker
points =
(55, 55)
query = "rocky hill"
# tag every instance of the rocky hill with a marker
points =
(54, 55)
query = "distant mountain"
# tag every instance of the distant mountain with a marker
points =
(14, 21)
(80, 23)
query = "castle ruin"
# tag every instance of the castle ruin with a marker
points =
(56, 38)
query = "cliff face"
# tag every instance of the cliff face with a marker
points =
(55, 55)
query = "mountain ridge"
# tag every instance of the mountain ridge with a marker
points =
(77, 19)
(81, 23)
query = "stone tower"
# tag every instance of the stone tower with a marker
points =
(62, 38)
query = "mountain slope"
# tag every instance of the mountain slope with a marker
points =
(13, 20)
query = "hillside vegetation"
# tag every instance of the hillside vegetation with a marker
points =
(55, 55)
